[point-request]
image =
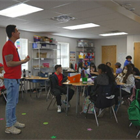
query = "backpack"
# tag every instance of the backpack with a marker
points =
(134, 111)
(85, 106)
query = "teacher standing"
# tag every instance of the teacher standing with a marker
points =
(12, 67)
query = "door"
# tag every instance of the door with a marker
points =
(109, 55)
(137, 55)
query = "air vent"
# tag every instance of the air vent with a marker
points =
(63, 18)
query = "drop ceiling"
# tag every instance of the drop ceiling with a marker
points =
(85, 11)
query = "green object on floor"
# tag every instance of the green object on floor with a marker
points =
(45, 123)
(53, 137)
(23, 113)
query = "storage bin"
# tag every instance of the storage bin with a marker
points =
(42, 55)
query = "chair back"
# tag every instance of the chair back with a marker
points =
(105, 96)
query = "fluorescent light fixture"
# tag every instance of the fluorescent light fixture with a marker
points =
(114, 34)
(82, 26)
(19, 10)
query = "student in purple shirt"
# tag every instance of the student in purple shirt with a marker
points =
(118, 68)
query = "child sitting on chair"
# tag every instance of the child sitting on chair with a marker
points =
(1, 78)
(58, 88)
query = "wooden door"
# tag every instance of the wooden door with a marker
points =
(109, 55)
(137, 55)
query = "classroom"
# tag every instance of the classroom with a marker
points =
(69, 69)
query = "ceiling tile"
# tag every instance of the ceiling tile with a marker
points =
(77, 6)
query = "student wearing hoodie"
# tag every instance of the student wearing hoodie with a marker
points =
(58, 88)
(104, 86)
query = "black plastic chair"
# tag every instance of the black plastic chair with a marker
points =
(104, 99)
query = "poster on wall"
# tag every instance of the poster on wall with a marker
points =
(72, 56)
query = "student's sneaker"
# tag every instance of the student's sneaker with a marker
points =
(59, 109)
(19, 125)
(65, 102)
(12, 130)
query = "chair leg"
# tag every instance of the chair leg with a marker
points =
(130, 124)
(50, 102)
(87, 110)
(114, 114)
(48, 94)
(96, 117)
(4, 97)
(138, 134)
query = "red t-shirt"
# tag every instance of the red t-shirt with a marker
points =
(60, 78)
(11, 72)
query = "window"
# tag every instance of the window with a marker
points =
(63, 54)
(22, 45)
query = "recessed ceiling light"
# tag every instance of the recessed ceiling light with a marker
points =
(19, 10)
(114, 34)
(82, 26)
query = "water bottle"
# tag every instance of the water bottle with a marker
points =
(29, 73)
(24, 73)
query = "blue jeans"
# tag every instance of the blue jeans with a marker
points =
(12, 87)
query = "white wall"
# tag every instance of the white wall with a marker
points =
(121, 44)
(131, 39)
(2, 41)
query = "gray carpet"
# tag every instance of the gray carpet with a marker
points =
(62, 126)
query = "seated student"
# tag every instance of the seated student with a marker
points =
(126, 77)
(105, 78)
(1, 78)
(128, 60)
(92, 70)
(58, 88)
(109, 64)
(81, 66)
(135, 70)
(118, 68)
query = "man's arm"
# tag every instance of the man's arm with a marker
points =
(11, 63)
(2, 78)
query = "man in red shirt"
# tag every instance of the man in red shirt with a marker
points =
(58, 88)
(12, 68)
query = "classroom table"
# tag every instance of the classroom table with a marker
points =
(77, 85)
(137, 77)
(80, 84)
(37, 78)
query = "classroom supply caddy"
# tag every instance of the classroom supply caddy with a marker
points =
(45, 54)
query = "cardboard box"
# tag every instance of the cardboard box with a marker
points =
(42, 55)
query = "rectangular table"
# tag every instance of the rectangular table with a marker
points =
(37, 78)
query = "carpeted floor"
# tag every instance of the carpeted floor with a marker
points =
(62, 126)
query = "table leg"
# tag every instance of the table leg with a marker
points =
(22, 87)
(30, 88)
(120, 93)
(77, 101)
(67, 100)
(46, 86)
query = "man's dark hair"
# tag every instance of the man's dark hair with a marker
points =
(10, 29)
(57, 66)
(129, 57)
